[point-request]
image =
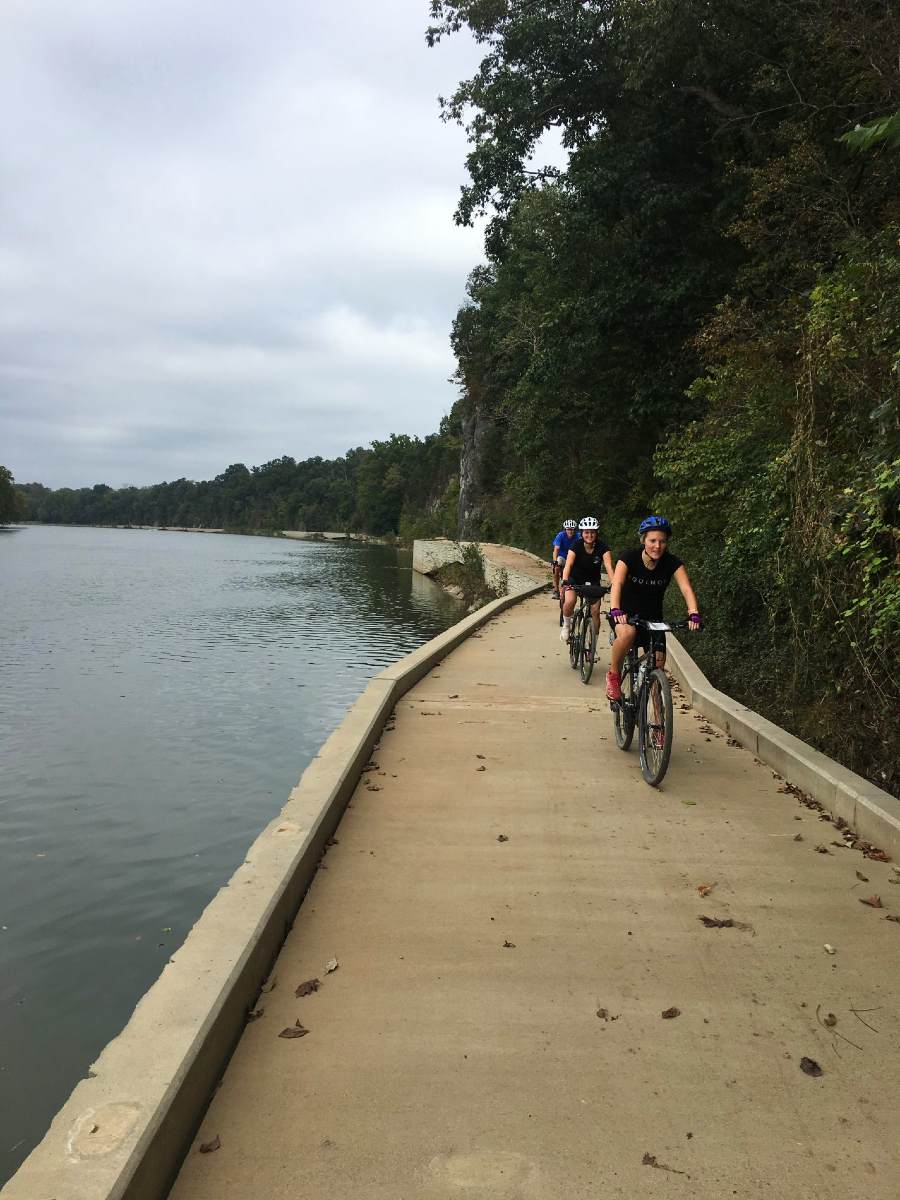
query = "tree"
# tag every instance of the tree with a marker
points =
(12, 506)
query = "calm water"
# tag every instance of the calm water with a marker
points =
(160, 694)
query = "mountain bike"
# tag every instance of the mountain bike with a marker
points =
(583, 641)
(646, 703)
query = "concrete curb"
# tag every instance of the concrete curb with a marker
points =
(872, 812)
(125, 1129)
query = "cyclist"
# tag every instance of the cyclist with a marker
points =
(562, 544)
(585, 562)
(638, 585)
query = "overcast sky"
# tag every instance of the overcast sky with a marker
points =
(226, 233)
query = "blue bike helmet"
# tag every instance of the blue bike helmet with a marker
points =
(660, 523)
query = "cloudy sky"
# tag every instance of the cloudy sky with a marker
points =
(226, 233)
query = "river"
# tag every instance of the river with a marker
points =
(160, 694)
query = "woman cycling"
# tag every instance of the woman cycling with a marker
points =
(638, 585)
(562, 544)
(584, 564)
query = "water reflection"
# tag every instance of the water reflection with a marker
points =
(160, 698)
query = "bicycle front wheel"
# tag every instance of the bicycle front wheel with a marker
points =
(589, 649)
(655, 727)
(623, 710)
(575, 641)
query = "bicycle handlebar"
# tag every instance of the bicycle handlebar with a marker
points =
(671, 626)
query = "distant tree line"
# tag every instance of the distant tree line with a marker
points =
(403, 485)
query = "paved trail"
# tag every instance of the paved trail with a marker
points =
(513, 909)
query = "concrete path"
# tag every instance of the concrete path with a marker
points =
(513, 910)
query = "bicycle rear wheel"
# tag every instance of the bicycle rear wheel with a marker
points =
(655, 727)
(623, 710)
(589, 649)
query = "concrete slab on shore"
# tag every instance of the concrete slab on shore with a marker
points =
(513, 910)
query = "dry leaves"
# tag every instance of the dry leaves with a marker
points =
(294, 1031)
(669, 1014)
(705, 888)
(717, 922)
(307, 987)
(331, 965)
(809, 1066)
(209, 1147)
(871, 901)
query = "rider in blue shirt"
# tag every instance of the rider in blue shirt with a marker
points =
(562, 544)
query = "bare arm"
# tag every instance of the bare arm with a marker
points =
(618, 580)
(570, 562)
(684, 584)
(608, 564)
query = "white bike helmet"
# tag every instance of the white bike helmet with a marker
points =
(570, 523)
(588, 523)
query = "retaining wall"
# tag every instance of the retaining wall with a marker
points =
(430, 554)
(872, 812)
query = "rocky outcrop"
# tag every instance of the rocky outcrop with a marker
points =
(476, 437)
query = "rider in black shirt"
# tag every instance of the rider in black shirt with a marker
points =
(639, 583)
(585, 563)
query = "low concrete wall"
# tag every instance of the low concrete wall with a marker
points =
(125, 1129)
(430, 554)
(872, 812)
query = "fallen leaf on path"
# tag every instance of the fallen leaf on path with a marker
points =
(479, 756)
(809, 1066)
(822, 850)
(864, 878)
(294, 1031)
(650, 1160)
(255, 1014)
(892, 917)
(509, 945)
(668, 1014)
(689, 802)
(453, 696)
(877, 855)
(209, 1147)
(871, 901)
(828, 948)
(501, 837)
(269, 985)
(307, 987)
(717, 922)
(798, 837)
(605, 1015)
(830, 1020)
(373, 787)
(705, 888)
(331, 965)
(481, 768)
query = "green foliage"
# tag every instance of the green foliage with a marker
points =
(869, 532)
(883, 129)
(468, 579)
(699, 316)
